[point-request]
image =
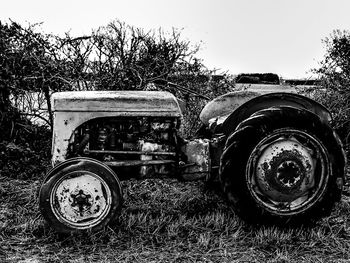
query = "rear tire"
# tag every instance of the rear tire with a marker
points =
(282, 165)
(80, 194)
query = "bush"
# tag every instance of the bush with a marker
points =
(24, 147)
(334, 74)
(338, 104)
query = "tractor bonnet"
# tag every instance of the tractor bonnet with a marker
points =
(121, 103)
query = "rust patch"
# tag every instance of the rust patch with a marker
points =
(271, 171)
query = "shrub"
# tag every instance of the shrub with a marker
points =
(24, 147)
(334, 74)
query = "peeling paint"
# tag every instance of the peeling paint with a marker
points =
(197, 152)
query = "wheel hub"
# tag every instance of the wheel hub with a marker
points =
(284, 170)
(289, 174)
(82, 200)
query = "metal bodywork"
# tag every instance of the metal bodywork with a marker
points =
(72, 109)
(198, 160)
(224, 105)
(227, 111)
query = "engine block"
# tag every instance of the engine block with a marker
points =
(129, 141)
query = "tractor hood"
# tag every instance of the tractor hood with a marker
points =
(121, 103)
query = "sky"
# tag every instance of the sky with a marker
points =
(236, 36)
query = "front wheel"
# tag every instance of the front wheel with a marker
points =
(80, 194)
(282, 165)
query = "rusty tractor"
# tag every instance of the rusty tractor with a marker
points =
(273, 152)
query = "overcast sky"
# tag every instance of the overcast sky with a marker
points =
(237, 36)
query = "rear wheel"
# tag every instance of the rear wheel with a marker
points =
(281, 165)
(80, 194)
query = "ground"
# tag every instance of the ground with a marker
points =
(165, 221)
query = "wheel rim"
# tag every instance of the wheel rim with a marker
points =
(81, 199)
(288, 171)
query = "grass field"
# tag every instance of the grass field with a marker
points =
(165, 221)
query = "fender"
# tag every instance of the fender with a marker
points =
(270, 100)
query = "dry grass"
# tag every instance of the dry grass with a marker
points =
(165, 221)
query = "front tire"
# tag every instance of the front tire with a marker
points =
(80, 194)
(282, 165)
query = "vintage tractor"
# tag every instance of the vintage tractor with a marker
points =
(274, 154)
